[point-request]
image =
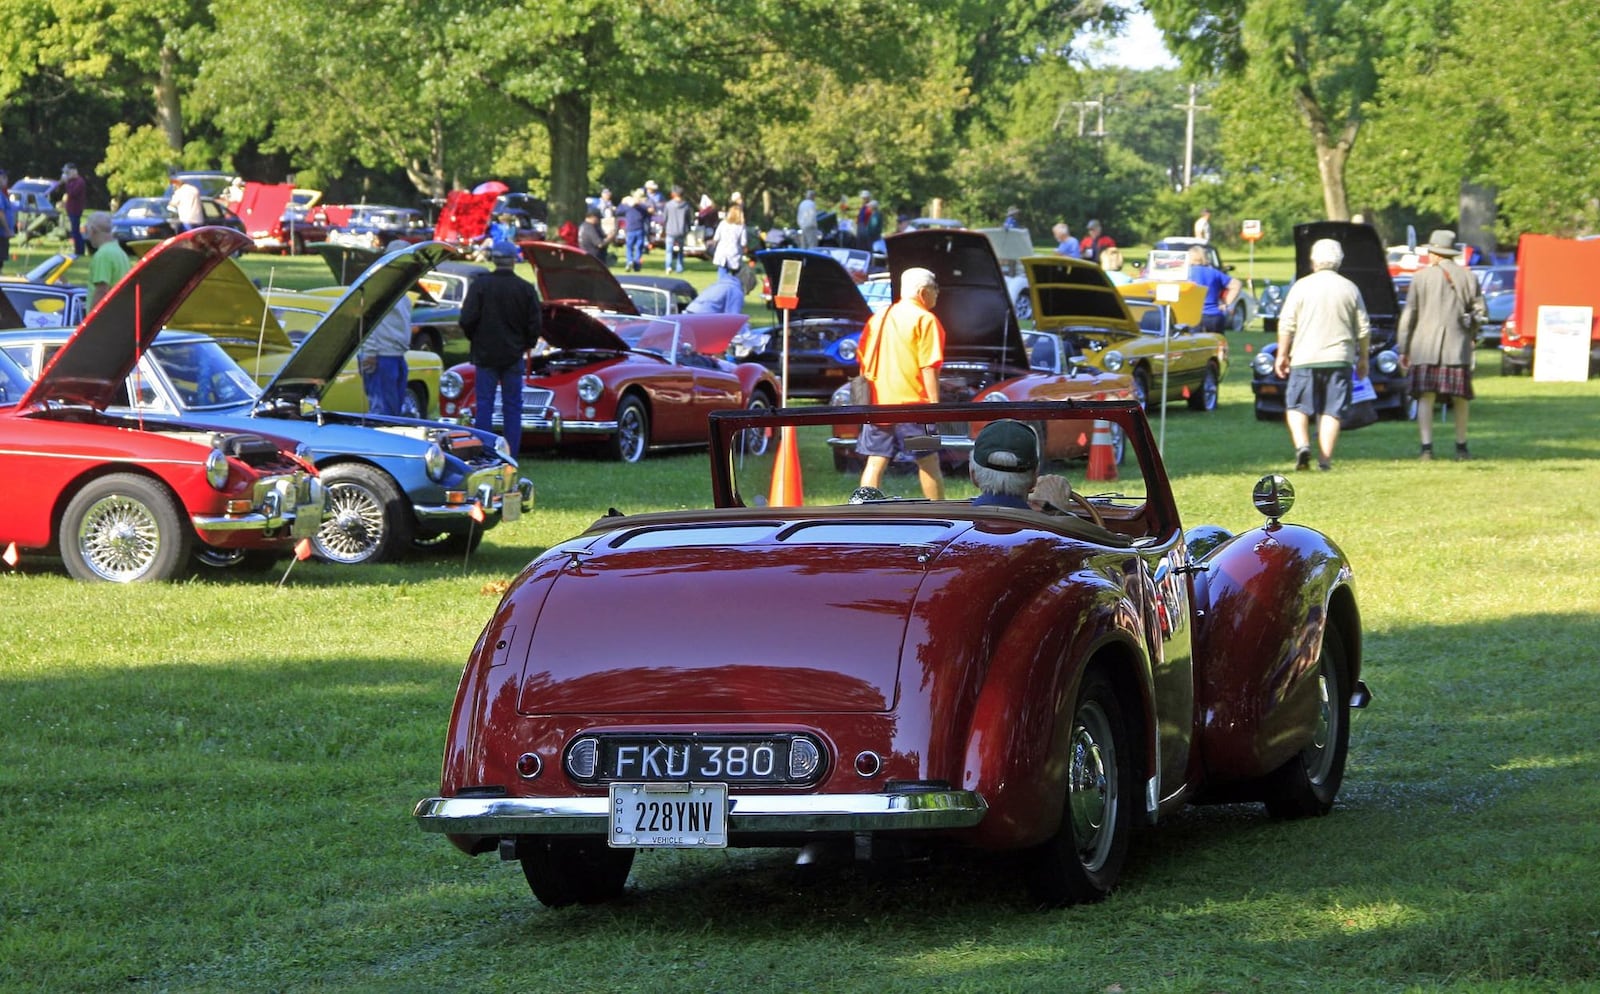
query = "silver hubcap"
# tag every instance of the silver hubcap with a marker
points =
(354, 527)
(1092, 785)
(119, 538)
(1318, 755)
(755, 439)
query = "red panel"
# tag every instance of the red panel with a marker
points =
(262, 206)
(1556, 271)
(465, 217)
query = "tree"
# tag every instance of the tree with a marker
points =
(1320, 56)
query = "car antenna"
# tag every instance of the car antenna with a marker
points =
(261, 333)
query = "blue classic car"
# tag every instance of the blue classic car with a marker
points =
(392, 483)
(823, 329)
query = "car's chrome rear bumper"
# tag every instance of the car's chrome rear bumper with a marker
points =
(748, 813)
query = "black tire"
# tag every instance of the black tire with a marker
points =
(449, 542)
(562, 872)
(1083, 861)
(428, 340)
(124, 528)
(1024, 306)
(415, 402)
(632, 439)
(1237, 318)
(1141, 387)
(1306, 785)
(753, 442)
(1205, 398)
(369, 520)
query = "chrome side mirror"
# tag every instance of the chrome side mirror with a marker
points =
(1273, 496)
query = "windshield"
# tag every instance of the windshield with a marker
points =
(664, 338)
(203, 376)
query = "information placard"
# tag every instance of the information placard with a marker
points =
(1252, 231)
(1561, 345)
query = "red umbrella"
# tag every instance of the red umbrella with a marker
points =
(492, 186)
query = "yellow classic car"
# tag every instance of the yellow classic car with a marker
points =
(1120, 331)
(260, 336)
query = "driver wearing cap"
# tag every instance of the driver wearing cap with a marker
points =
(1004, 466)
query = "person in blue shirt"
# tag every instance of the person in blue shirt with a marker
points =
(725, 295)
(1221, 289)
(1065, 244)
(1013, 218)
(8, 219)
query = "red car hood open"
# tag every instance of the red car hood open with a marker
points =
(570, 276)
(740, 659)
(92, 365)
(974, 305)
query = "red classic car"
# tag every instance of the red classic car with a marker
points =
(920, 673)
(123, 499)
(612, 377)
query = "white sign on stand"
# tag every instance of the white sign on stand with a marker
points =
(1561, 345)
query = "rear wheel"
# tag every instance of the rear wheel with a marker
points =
(756, 441)
(1084, 860)
(1205, 398)
(561, 872)
(1141, 387)
(124, 529)
(1306, 785)
(415, 402)
(1024, 306)
(632, 439)
(427, 340)
(368, 519)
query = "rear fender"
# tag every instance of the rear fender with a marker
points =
(1015, 755)
(1269, 595)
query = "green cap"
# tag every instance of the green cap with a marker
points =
(1006, 445)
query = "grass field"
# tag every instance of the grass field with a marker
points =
(208, 785)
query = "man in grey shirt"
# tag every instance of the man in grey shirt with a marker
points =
(1323, 331)
(382, 355)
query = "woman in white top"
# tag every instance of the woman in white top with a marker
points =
(730, 241)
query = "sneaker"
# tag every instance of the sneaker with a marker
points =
(1324, 464)
(1462, 455)
(1302, 459)
(1427, 453)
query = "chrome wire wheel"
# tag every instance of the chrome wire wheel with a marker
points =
(633, 430)
(1092, 785)
(118, 538)
(756, 441)
(355, 525)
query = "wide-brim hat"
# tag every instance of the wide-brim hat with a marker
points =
(1442, 241)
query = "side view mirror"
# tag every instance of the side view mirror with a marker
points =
(1273, 496)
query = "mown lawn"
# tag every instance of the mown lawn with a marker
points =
(208, 785)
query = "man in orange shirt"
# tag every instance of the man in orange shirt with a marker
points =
(901, 350)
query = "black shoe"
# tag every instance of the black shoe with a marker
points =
(1302, 459)
(1324, 464)
(1427, 453)
(1462, 455)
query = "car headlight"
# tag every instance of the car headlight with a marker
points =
(841, 397)
(998, 396)
(589, 388)
(1388, 362)
(433, 461)
(1262, 364)
(1113, 361)
(502, 448)
(847, 349)
(217, 469)
(451, 385)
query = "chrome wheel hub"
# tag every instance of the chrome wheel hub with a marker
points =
(119, 538)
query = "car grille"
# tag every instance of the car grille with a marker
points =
(535, 397)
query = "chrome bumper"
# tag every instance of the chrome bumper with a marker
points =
(296, 503)
(747, 813)
(509, 505)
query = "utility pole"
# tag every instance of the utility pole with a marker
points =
(1083, 113)
(1188, 134)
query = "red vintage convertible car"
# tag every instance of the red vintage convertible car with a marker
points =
(611, 377)
(920, 673)
(123, 499)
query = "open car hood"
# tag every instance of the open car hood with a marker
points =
(336, 337)
(1366, 263)
(571, 329)
(262, 207)
(974, 305)
(93, 363)
(1077, 294)
(570, 276)
(229, 307)
(574, 329)
(827, 290)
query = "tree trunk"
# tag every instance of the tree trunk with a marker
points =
(169, 111)
(1332, 153)
(568, 123)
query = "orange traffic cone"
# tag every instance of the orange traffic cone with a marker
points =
(786, 489)
(1102, 456)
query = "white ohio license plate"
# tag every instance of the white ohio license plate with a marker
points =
(669, 815)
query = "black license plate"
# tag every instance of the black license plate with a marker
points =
(665, 760)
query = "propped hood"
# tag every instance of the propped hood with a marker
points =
(827, 290)
(229, 307)
(1366, 263)
(102, 352)
(346, 262)
(1075, 293)
(974, 305)
(335, 338)
(262, 207)
(570, 276)
(571, 329)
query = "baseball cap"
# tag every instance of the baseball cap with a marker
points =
(1006, 445)
(502, 249)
